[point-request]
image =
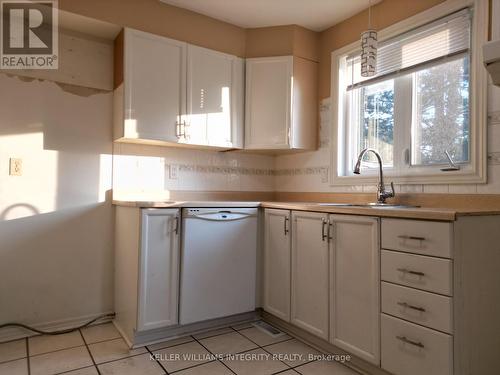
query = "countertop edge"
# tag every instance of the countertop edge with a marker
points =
(422, 213)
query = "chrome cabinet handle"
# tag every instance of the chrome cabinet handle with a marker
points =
(330, 231)
(177, 129)
(416, 238)
(176, 227)
(184, 126)
(285, 226)
(417, 273)
(323, 226)
(411, 342)
(180, 129)
(407, 305)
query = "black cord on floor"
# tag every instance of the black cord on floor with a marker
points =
(58, 332)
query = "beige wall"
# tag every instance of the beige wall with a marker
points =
(282, 40)
(384, 14)
(181, 24)
(162, 19)
(56, 220)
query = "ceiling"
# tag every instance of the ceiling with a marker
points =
(315, 15)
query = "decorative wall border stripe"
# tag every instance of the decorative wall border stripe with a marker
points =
(193, 168)
(494, 118)
(301, 171)
(493, 158)
(225, 170)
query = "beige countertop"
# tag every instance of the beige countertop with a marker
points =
(181, 204)
(425, 213)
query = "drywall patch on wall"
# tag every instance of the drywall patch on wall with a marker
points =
(72, 89)
(83, 61)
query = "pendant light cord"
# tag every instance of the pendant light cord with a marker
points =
(369, 14)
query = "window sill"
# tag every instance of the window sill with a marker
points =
(438, 178)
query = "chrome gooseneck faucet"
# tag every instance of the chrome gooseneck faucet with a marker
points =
(382, 194)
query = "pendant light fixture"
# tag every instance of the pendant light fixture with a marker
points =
(369, 48)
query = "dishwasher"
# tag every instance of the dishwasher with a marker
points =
(218, 263)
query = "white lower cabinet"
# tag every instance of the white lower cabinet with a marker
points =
(277, 263)
(146, 271)
(330, 284)
(354, 279)
(410, 349)
(158, 269)
(310, 279)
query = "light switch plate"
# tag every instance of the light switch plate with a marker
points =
(16, 167)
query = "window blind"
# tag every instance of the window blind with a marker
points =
(413, 50)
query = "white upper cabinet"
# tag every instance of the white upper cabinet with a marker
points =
(280, 103)
(214, 98)
(154, 87)
(354, 277)
(169, 92)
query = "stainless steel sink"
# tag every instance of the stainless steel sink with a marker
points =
(337, 204)
(387, 205)
(368, 205)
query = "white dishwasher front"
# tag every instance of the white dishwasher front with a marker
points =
(218, 264)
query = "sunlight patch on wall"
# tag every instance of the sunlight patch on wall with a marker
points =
(34, 192)
(105, 175)
(139, 178)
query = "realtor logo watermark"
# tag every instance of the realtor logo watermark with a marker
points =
(29, 34)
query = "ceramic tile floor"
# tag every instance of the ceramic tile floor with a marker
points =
(241, 350)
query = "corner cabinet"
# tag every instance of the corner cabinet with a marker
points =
(172, 93)
(147, 259)
(281, 103)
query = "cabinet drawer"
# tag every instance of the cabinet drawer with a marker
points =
(419, 237)
(428, 309)
(417, 271)
(409, 349)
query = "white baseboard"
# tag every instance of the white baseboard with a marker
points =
(14, 333)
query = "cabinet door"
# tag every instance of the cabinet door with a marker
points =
(158, 269)
(155, 84)
(355, 285)
(277, 263)
(268, 102)
(310, 269)
(214, 91)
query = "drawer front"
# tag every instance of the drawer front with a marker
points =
(409, 349)
(419, 237)
(417, 271)
(428, 309)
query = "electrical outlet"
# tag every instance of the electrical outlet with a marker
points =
(173, 171)
(16, 167)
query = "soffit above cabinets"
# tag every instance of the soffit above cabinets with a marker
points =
(315, 15)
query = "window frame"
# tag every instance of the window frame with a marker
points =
(476, 170)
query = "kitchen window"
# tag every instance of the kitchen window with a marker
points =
(419, 106)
